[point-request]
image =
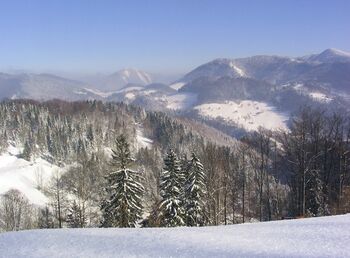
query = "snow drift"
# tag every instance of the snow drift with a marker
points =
(315, 237)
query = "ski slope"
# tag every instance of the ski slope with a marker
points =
(314, 237)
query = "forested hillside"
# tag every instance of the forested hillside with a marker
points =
(117, 165)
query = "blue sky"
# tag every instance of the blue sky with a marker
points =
(164, 35)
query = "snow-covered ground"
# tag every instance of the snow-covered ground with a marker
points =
(98, 92)
(109, 93)
(130, 96)
(248, 114)
(141, 140)
(320, 97)
(181, 101)
(177, 85)
(315, 95)
(238, 70)
(314, 237)
(25, 176)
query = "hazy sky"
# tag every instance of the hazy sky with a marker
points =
(164, 35)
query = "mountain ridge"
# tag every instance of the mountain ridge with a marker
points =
(277, 83)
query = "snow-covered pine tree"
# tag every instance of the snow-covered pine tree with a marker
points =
(123, 207)
(171, 206)
(185, 165)
(195, 193)
(45, 218)
(75, 218)
(27, 151)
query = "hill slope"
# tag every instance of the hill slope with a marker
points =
(315, 237)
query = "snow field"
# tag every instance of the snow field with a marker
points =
(25, 176)
(181, 101)
(313, 237)
(177, 85)
(248, 114)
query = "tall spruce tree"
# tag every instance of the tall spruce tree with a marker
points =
(123, 207)
(75, 217)
(195, 193)
(171, 187)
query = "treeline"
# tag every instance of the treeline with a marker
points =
(183, 179)
(316, 155)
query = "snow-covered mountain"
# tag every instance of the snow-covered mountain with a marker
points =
(275, 69)
(47, 86)
(41, 87)
(122, 78)
(217, 68)
(279, 84)
(330, 55)
(282, 84)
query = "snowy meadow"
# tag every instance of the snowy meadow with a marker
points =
(313, 237)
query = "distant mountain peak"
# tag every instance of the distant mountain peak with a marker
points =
(131, 75)
(217, 68)
(334, 51)
(331, 55)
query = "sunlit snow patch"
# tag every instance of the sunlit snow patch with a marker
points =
(320, 97)
(181, 101)
(249, 114)
(25, 176)
(177, 85)
(130, 95)
(142, 141)
(313, 237)
(238, 70)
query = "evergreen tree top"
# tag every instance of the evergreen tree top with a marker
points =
(121, 156)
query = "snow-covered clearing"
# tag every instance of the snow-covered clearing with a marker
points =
(248, 114)
(25, 176)
(314, 237)
(177, 85)
(100, 93)
(181, 101)
(142, 141)
(315, 95)
(320, 97)
(130, 96)
(132, 88)
(106, 94)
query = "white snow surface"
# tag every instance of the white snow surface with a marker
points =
(339, 52)
(313, 237)
(315, 95)
(249, 114)
(238, 70)
(177, 85)
(100, 93)
(106, 94)
(132, 88)
(181, 101)
(141, 140)
(25, 176)
(320, 97)
(130, 96)
(128, 73)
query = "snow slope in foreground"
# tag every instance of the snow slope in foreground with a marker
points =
(248, 114)
(315, 237)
